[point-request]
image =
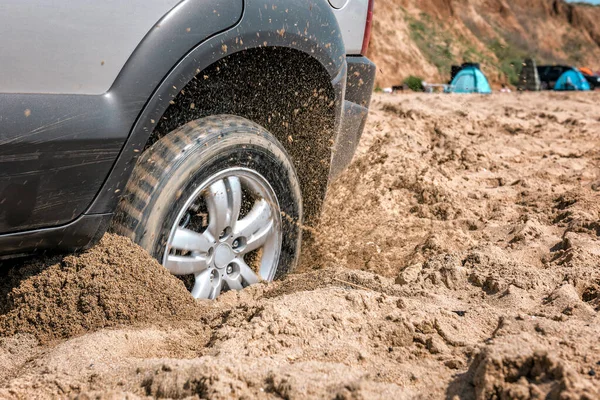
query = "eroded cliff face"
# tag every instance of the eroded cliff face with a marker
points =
(425, 37)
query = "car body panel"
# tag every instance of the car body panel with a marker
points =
(66, 46)
(360, 82)
(352, 17)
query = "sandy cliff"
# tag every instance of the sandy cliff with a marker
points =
(425, 37)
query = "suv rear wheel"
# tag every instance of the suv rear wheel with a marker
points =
(218, 203)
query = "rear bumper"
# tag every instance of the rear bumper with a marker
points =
(360, 81)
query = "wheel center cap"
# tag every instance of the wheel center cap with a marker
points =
(223, 255)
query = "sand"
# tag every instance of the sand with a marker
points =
(458, 257)
(112, 284)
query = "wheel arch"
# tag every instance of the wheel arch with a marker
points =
(282, 89)
(308, 33)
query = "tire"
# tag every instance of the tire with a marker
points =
(239, 156)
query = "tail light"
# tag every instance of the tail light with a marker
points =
(368, 25)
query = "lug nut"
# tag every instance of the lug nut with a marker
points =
(229, 269)
(222, 235)
(236, 243)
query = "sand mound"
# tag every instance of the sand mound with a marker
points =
(518, 370)
(116, 282)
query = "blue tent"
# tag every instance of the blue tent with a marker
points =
(572, 80)
(470, 79)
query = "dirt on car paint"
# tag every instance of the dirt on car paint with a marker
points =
(458, 257)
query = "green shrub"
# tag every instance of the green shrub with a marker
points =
(433, 40)
(414, 83)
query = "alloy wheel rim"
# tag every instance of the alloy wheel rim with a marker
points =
(239, 241)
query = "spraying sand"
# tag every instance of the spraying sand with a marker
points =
(458, 256)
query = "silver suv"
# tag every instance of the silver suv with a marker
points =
(207, 131)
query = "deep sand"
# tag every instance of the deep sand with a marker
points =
(459, 255)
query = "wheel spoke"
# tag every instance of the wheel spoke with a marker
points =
(186, 239)
(247, 273)
(216, 202)
(259, 238)
(256, 226)
(223, 199)
(203, 285)
(216, 290)
(235, 198)
(185, 265)
(234, 283)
